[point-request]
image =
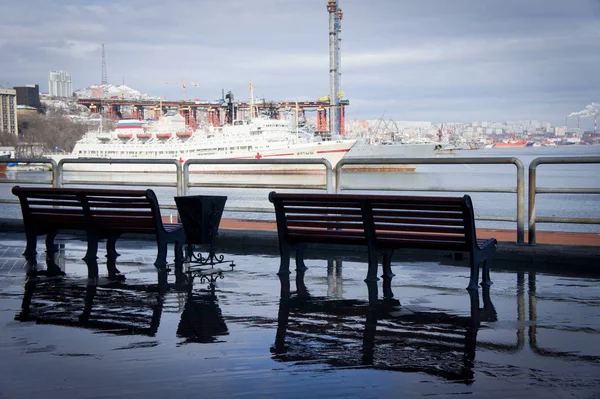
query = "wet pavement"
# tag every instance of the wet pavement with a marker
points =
(321, 334)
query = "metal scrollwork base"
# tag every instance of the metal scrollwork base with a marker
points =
(211, 278)
(198, 259)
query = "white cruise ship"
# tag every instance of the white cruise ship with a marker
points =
(170, 138)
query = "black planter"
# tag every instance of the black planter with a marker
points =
(201, 216)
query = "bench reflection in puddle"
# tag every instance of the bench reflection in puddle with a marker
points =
(120, 309)
(378, 334)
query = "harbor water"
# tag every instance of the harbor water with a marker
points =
(492, 205)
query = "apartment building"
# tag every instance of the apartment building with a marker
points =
(8, 111)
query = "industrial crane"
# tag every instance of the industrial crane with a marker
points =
(183, 86)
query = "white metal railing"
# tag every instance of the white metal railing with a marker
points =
(182, 183)
(519, 187)
(534, 190)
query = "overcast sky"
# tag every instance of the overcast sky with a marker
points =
(437, 60)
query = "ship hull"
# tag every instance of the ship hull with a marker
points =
(511, 144)
(332, 151)
(394, 151)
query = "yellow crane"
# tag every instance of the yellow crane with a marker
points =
(326, 98)
(183, 86)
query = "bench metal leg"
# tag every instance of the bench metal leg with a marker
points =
(474, 277)
(30, 252)
(485, 277)
(387, 264)
(179, 257)
(92, 266)
(301, 289)
(373, 263)
(300, 266)
(388, 295)
(284, 265)
(111, 257)
(52, 268)
(373, 292)
(91, 258)
(161, 257)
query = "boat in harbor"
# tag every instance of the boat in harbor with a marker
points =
(388, 150)
(6, 153)
(511, 144)
(171, 138)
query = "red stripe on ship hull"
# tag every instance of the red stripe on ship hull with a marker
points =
(287, 155)
(328, 151)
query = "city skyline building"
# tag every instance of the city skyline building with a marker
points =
(8, 111)
(29, 95)
(59, 84)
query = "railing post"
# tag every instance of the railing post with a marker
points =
(338, 176)
(180, 189)
(328, 175)
(520, 201)
(531, 197)
(57, 173)
(186, 177)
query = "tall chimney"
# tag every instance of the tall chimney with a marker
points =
(333, 64)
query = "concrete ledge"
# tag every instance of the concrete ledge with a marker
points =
(579, 260)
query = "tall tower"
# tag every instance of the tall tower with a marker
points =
(334, 76)
(104, 78)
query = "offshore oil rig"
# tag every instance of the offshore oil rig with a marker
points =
(330, 110)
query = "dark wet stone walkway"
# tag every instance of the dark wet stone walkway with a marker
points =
(531, 335)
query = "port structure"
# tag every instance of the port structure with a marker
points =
(216, 113)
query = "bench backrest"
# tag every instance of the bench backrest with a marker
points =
(385, 220)
(45, 208)
(421, 222)
(132, 211)
(319, 217)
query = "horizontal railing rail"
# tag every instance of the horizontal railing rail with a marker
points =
(261, 164)
(333, 182)
(519, 189)
(533, 219)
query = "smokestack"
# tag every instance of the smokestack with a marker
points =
(333, 73)
(595, 123)
(339, 51)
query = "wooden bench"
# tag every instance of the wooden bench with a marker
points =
(382, 223)
(102, 214)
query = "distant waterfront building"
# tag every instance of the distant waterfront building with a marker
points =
(59, 84)
(28, 95)
(8, 111)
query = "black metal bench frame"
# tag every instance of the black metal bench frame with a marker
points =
(382, 223)
(102, 214)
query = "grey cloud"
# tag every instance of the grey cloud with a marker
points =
(425, 59)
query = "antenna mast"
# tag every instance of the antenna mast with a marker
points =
(104, 78)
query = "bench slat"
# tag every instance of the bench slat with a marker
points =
(424, 222)
(341, 218)
(327, 225)
(435, 214)
(322, 210)
(419, 228)
(345, 198)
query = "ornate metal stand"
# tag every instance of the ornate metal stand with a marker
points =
(201, 216)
